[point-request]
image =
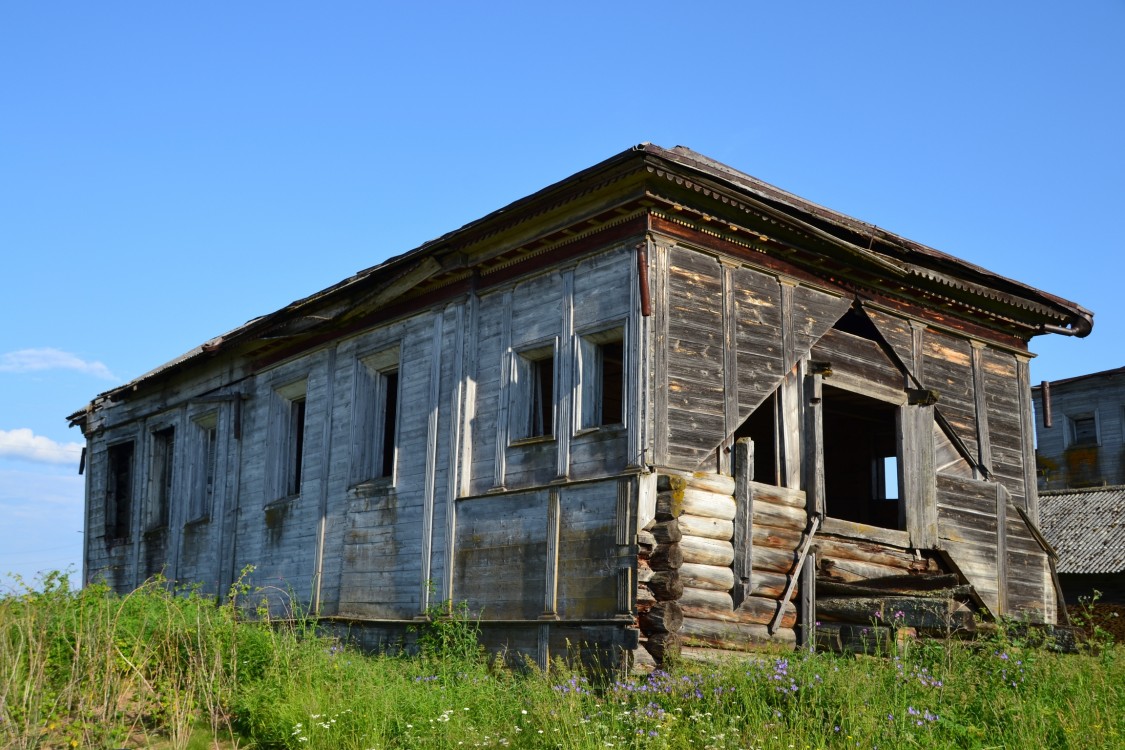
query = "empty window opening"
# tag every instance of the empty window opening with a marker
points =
(761, 427)
(376, 416)
(389, 420)
(861, 461)
(533, 394)
(295, 446)
(161, 478)
(206, 464)
(542, 413)
(119, 491)
(1084, 430)
(602, 379)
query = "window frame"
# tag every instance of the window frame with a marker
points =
(289, 419)
(590, 374)
(1072, 421)
(527, 364)
(376, 417)
(112, 530)
(161, 481)
(205, 467)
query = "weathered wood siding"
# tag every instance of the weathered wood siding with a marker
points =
(379, 548)
(1005, 426)
(775, 325)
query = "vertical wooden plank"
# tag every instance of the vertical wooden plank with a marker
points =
(919, 476)
(322, 500)
(456, 424)
(814, 445)
(637, 352)
(743, 537)
(730, 367)
(1001, 549)
(806, 633)
(984, 445)
(568, 360)
(139, 500)
(789, 412)
(431, 464)
(502, 407)
(543, 648)
(1027, 439)
(924, 454)
(660, 360)
(626, 533)
(917, 367)
(469, 396)
(551, 584)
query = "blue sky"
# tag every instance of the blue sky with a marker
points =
(168, 172)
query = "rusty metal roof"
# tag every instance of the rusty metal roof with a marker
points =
(1086, 528)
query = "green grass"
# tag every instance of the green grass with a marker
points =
(173, 670)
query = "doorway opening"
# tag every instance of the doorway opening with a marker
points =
(862, 465)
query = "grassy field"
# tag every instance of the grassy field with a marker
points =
(93, 670)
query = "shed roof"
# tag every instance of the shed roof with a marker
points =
(1086, 528)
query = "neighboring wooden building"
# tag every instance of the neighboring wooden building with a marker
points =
(1080, 429)
(658, 400)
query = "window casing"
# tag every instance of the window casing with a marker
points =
(119, 491)
(375, 434)
(161, 480)
(601, 368)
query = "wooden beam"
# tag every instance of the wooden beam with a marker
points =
(743, 519)
(984, 444)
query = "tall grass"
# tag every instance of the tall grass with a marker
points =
(162, 669)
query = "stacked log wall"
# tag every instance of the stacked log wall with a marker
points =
(692, 544)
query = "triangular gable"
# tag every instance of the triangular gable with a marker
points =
(941, 362)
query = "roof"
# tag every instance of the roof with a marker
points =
(1079, 378)
(679, 169)
(1086, 528)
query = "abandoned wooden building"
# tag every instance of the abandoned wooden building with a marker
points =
(659, 402)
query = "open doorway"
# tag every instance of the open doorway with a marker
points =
(761, 427)
(862, 465)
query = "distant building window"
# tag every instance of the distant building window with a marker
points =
(376, 416)
(534, 393)
(1084, 430)
(204, 466)
(602, 378)
(161, 478)
(289, 447)
(119, 491)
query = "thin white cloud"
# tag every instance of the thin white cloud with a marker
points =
(34, 360)
(23, 443)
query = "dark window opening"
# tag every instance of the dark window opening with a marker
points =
(210, 457)
(296, 446)
(761, 427)
(119, 491)
(611, 356)
(390, 417)
(1085, 430)
(861, 462)
(160, 495)
(541, 418)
